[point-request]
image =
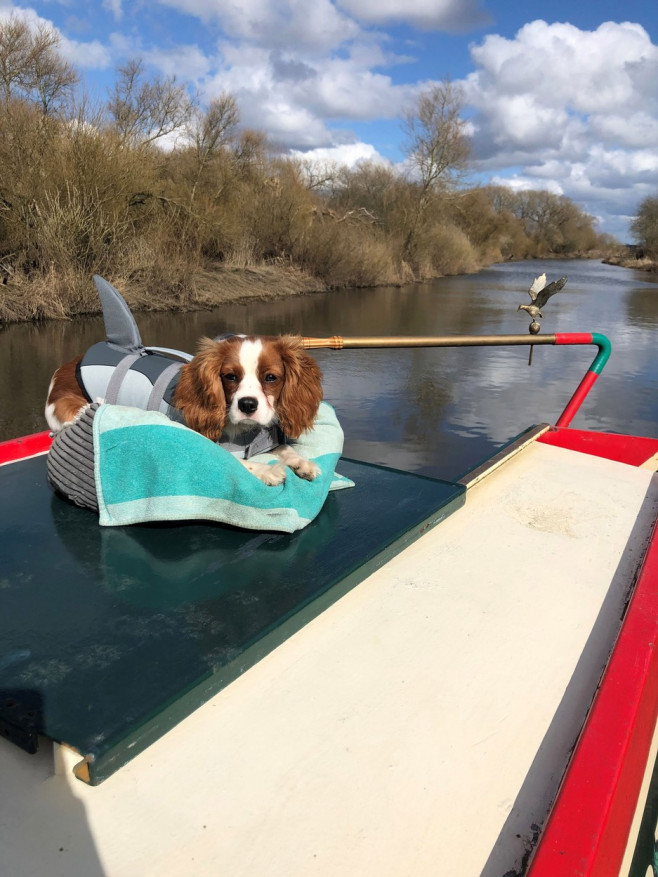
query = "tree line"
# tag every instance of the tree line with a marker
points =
(152, 187)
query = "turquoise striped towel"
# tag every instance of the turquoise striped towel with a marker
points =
(148, 468)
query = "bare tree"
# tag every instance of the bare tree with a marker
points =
(250, 149)
(14, 54)
(52, 79)
(318, 174)
(369, 185)
(437, 146)
(212, 128)
(437, 149)
(145, 110)
(31, 67)
(210, 131)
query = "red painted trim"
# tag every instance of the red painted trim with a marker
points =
(588, 828)
(577, 399)
(573, 338)
(27, 446)
(630, 449)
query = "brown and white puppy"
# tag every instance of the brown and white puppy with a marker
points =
(234, 384)
(230, 386)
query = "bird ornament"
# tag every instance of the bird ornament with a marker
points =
(539, 294)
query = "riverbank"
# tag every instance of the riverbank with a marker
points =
(220, 285)
(58, 296)
(643, 264)
(62, 298)
(631, 256)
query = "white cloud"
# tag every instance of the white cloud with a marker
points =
(114, 7)
(296, 97)
(300, 77)
(520, 183)
(556, 79)
(348, 154)
(591, 70)
(557, 71)
(637, 130)
(454, 16)
(186, 63)
(275, 23)
(343, 89)
(577, 110)
(88, 56)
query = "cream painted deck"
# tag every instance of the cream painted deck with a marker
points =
(413, 728)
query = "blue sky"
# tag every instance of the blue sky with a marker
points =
(559, 95)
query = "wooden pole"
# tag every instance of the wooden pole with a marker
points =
(337, 342)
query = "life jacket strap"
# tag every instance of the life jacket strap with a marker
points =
(119, 373)
(161, 383)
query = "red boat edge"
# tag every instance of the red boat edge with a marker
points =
(588, 827)
(27, 446)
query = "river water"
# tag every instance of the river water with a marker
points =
(433, 411)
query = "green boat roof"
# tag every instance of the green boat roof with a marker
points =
(110, 636)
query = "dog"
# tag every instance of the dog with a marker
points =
(231, 389)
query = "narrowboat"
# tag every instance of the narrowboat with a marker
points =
(454, 678)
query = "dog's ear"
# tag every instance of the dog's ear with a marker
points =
(200, 394)
(302, 387)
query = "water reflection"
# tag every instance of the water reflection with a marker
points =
(642, 309)
(433, 411)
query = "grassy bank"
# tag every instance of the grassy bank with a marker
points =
(625, 261)
(59, 297)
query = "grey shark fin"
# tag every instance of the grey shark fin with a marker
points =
(120, 326)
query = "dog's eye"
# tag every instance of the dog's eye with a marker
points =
(230, 377)
(270, 378)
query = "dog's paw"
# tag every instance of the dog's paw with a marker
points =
(306, 469)
(270, 475)
(273, 475)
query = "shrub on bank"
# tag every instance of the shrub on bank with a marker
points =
(344, 254)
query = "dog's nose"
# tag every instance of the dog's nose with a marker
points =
(247, 404)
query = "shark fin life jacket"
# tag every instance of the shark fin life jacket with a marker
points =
(122, 371)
